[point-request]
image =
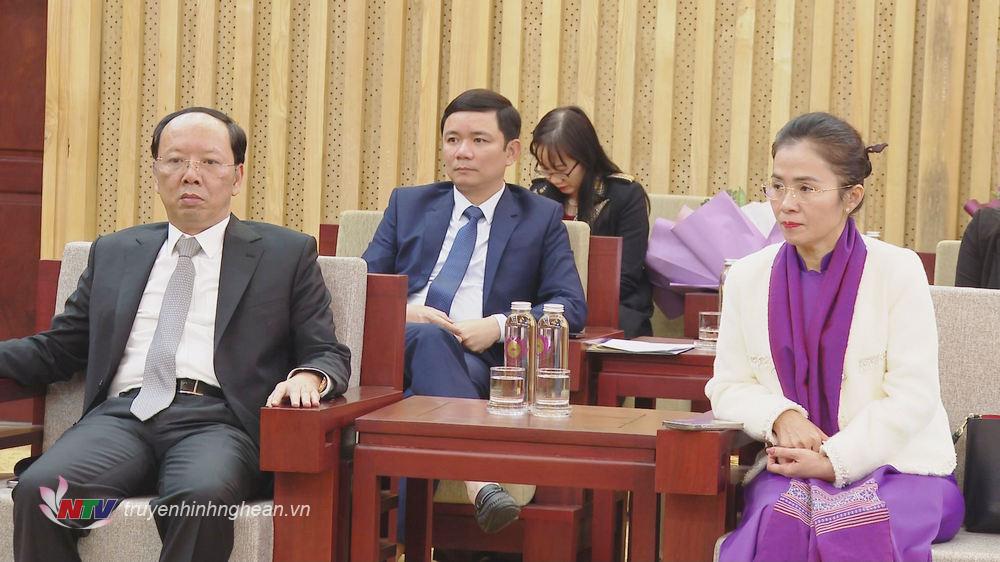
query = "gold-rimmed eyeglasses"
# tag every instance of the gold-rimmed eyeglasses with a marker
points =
(173, 165)
(776, 191)
(555, 176)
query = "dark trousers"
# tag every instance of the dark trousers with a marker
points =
(436, 364)
(193, 452)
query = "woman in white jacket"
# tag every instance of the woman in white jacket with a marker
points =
(828, 353)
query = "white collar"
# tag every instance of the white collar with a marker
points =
(488, 207)
(209, 239)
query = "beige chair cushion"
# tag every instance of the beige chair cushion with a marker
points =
(968, 322)
(356, 230)
(946, 262)
(347, 280)
(667, 207)
(131, 536)
(965, 547)
(64, 400)
(662, 206)
(579, 242)
(968, 547)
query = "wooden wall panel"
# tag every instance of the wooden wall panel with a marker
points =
(663, 96)
(243, 66)
(624, 116)
(313, 160)
(430, 76)
(686, 94)
(22, 78)
(940, 133)
(701, 117)
(984, 118)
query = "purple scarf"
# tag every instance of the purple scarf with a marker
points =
(810, 359)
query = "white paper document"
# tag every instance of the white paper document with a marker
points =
(634, 346)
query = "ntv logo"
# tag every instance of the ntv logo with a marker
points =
(56, 507)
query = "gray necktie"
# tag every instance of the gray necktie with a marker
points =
(159, 380)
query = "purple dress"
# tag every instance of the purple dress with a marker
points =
(887, 515)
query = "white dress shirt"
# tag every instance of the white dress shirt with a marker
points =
(196, 352)
(468, 303)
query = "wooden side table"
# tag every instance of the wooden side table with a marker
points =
(680, 376)
(425, 438)
(582, 387)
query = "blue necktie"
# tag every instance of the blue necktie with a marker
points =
(442, 291)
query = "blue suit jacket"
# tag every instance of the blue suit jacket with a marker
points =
(528, 257)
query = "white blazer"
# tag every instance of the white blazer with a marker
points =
(890, 401)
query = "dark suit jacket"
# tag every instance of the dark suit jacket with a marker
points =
(273, 315)
(528, 257)
(979, 256)
(621, 209)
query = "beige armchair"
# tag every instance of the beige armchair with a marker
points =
(310, 476)
(698, 493)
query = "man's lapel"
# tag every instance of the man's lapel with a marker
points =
(505, 220)
(240, 256)
(133, 273)
(436, 223)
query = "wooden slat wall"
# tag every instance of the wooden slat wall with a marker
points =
(672, 128)
(127, 210)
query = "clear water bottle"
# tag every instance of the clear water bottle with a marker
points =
(726, 264)
(551, 388)
(519, 342)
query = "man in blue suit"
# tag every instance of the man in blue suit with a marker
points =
(470, 247)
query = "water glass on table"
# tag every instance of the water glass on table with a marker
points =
(507, 391)
(551, 393)
(708, 329)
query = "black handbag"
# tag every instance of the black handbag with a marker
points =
(982, 473)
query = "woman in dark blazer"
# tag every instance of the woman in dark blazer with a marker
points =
(979, 256)
(573, 169)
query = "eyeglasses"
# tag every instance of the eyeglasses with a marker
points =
(775, 190)
(171, 166)
(554, 176)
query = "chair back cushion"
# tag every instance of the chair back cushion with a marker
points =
(579, 242)
(357, 228)
(347, 280)
(946, 262)
(663, 206)
(968, 321)
(64, 400)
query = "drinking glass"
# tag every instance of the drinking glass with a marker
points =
(507, 386)
(708, 329)
(551, 393)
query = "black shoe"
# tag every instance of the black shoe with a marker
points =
(495, 509)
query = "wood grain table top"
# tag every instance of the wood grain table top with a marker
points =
(430, 416)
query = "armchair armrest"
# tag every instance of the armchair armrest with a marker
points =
(695, 462)
(11, 390)
(298, 439)
(693, 474)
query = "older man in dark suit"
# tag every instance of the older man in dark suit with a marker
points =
(185, 329)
